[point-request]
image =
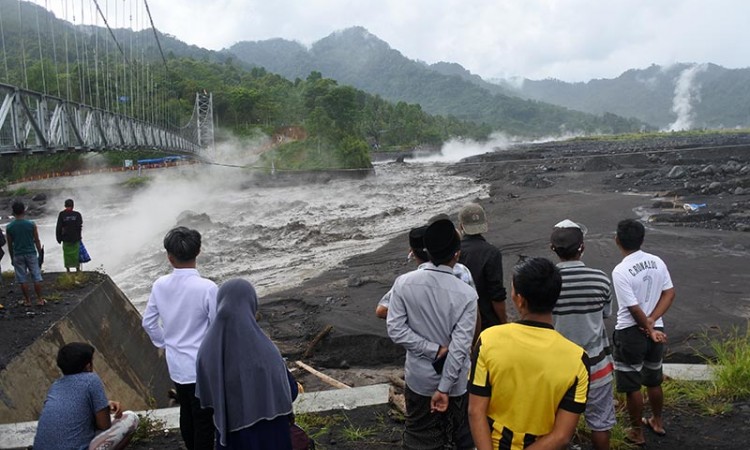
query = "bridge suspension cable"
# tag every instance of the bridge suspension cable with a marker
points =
(98, 99)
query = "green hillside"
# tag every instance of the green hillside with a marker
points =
(720, 96)
(358, 58)
(340, 123)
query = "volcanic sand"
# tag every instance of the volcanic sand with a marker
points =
(533, 188)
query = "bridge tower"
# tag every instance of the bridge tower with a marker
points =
(204, 105)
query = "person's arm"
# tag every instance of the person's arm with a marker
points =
(499, 307)
(561, 434)
(151, 324)
(495, 287)
(211, 303)
(462, 336)
(480, 428)
(480, 394)
(665, 301)
(568, 412)
(610, 296)
(381, 311)
(37, 242)
(401, 333)
(9, 242)
(103, 420)
(292, 384)
(58, 228)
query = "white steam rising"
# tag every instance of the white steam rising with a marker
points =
(272, 234)
(686, 93)
(458, 149)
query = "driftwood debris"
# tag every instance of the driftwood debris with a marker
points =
(325, 378)
(396, 381)
(318, 337)
(397, 400)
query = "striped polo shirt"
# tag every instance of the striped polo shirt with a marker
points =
(585, 300)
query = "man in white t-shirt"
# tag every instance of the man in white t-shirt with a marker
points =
(644, 294)
(179, 310)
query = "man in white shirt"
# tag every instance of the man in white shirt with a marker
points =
(644, 293)
(185, 304)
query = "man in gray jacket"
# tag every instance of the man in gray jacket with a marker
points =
(433, 315)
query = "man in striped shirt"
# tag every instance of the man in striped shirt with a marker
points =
(585, 300)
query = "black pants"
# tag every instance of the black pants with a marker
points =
(196, 424)
(425, 430)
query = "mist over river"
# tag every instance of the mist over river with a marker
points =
(274, 236)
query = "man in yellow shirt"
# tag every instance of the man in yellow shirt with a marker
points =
(528, 384)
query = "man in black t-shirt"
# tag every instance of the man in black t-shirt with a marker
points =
(485, 262)
(68, 233)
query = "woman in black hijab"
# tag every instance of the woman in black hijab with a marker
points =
(242, 376)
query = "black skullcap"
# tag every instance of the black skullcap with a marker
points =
(441, 240)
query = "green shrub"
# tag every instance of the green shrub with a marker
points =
(148, 427)
(73, 280)
(731, 367)
(137, 182)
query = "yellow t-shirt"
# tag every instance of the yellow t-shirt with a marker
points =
(529, 371)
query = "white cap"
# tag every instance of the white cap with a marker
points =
(567, 223)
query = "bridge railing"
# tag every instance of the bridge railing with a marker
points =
(33, 122)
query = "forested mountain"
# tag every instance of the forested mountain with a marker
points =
(711, 96)
(358, 58)
(82, 64)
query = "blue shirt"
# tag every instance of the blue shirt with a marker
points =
(68, 417)
(21, 232)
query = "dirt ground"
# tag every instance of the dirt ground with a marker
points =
(21, 325)
(380, 428)
(595, 182)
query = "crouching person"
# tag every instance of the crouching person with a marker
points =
(76, 414)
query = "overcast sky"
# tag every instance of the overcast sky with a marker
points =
(572, 40)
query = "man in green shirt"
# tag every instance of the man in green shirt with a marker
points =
(23, 247)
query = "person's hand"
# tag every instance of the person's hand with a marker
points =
(441, 352)
(116, 409)
(658, 336)
(439, 402)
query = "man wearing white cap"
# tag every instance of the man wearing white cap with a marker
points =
(584, 301)
(485, 262)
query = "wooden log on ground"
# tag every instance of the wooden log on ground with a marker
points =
(396, 381)
(325, 378)
(397, 400)
(318, 337)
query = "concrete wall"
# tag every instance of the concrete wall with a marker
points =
(134, 372)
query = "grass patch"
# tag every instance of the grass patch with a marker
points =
(731, 377)
(20, 192)
(353, 433)
(53, 297)
(148, 428)
(73, 280)
(317, 425)
(732, 365)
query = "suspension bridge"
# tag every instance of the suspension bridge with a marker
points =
(90, 75)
